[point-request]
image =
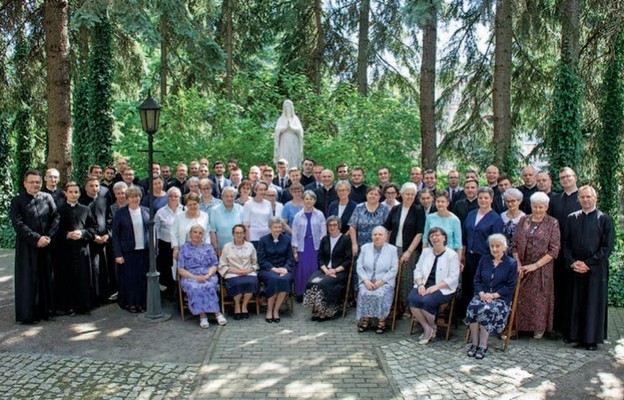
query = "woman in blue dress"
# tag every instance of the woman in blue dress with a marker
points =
(494, 285)
(275, 258)
(197, 266)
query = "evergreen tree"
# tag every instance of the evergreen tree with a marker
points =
(612, 127)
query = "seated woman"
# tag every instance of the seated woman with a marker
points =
(435, 280)
(238, 266)
(494, 285)
(275, 258)
(377, 267)
(197, 266)
(326, 286)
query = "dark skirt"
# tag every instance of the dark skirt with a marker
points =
(164, 261)
(241, 285)
(273, 283)
(429, 303)
(325, 294)
(133, 279)
(492, 316)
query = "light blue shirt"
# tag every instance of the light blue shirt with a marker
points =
(450, 225)
(223, 220)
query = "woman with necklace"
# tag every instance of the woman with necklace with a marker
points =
(535, 247)
(435, 280)
(238, 266)
(513, 198)
(494, 285)
(293, 206)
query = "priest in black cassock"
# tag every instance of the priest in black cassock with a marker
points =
(35, 220)
(587, 243)
(562, 205)
(76, 229)
(100, 246)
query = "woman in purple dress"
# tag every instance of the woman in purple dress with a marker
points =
(197, 266)
(307, 231)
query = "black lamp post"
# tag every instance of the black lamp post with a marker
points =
(150, 114)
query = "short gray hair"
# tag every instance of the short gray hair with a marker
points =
(486, 189)
(500, 238)
(133, 191)
(346, 184)
(409, 186)
(309, 193)
(380, 228)
(275, 220)
(540, 199)
(120, 185)
(174, 189)
(229, 189)
(513, 192)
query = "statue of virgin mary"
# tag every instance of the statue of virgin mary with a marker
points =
(288, 136)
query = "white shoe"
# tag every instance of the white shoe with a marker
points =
(221, 320)
(203, 323)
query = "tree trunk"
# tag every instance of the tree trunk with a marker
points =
(228, 12)
(164, 64)
(320, 45)
(55, 23)
(501, 94)
(570, 21)
(427, 90)
(362, 60)
(564, 135)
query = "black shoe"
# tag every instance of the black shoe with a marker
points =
(71, 313)
(314, 318)
(276, 320)
(591, 347)
(238, 316)
(245, 315)
(480, 353)
(299, 299)
(268, 320)
(323, 319)
(472, 351)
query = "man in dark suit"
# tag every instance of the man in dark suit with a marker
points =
(317, 183)
(498, 204)
(281, 179)
(219, 179)
(453, 184)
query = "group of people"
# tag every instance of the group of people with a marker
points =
(301, 232)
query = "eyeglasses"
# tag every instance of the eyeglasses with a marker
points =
(239, 233)
(333, 224)
(391, 192)
(566, 176)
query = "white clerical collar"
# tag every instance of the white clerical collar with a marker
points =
(72, 204)
(572, 192)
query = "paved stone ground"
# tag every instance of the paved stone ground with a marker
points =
(110, 354)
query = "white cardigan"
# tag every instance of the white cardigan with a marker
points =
(447, 269)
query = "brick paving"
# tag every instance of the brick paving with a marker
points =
(110, 354)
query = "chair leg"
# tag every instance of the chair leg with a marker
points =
(450, 320)
(411, 326)
(180, 299)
